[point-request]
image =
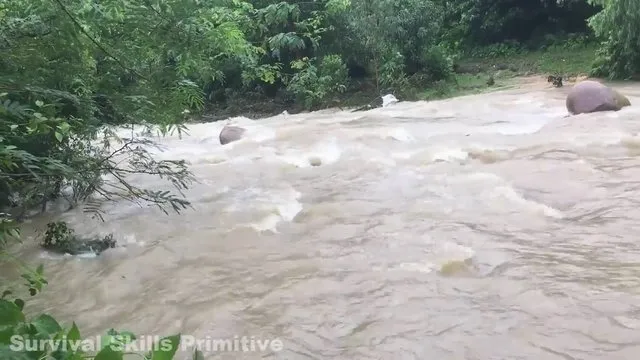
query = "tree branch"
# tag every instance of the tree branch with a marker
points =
(95, 42)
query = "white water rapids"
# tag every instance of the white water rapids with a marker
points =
(343, 260)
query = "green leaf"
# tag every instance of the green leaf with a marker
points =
(107, 341)
(10, 313)
(126, 337)
(45, 324)
(64, 127)
(9, 353)
(167, 348)
(6, 332)
(59, 136)
(117, 340)
(14, 233)
(107, 353)
(74, 333)
(39, 103)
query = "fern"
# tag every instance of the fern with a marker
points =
(285, 41)
(13, 109)
(279, 14)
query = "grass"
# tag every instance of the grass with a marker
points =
(473, 73)
(561, 60)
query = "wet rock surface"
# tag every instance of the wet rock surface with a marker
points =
(591, 96)
(230, 134)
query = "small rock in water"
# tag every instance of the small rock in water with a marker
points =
(315, 161)
(231, 133)
(456, 267)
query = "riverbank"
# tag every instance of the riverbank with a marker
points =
(484, 71)
(472, 73)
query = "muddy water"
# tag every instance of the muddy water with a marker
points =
(344, 260)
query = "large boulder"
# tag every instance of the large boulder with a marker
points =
(591, 96)
(231, 133)
(620, 99)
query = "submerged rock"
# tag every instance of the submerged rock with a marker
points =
(591, 96)
(231, 133)
(315, 161)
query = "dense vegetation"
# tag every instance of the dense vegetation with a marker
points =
(72, 71)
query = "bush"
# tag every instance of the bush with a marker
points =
(618, 27)
(438, 64)
(316, 80)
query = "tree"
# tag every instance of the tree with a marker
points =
(618, 25)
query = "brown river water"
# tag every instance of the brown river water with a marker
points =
(345, 260)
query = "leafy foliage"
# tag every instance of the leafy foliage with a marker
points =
(43, 337)
(486, 22)
(314, 83)
(394, 36)
(618, 25)
(61, 239)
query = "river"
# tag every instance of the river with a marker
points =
(345, 260)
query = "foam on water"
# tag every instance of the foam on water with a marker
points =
(404, 155)
(487, 189)
(52, 256)
(509, 194)
(400, 134)
(258, 133)
(388, 100)
(271, 206)
(321, 153)
(448, 154)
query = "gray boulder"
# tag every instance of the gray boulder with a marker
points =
(231, 133)
(591, 96)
